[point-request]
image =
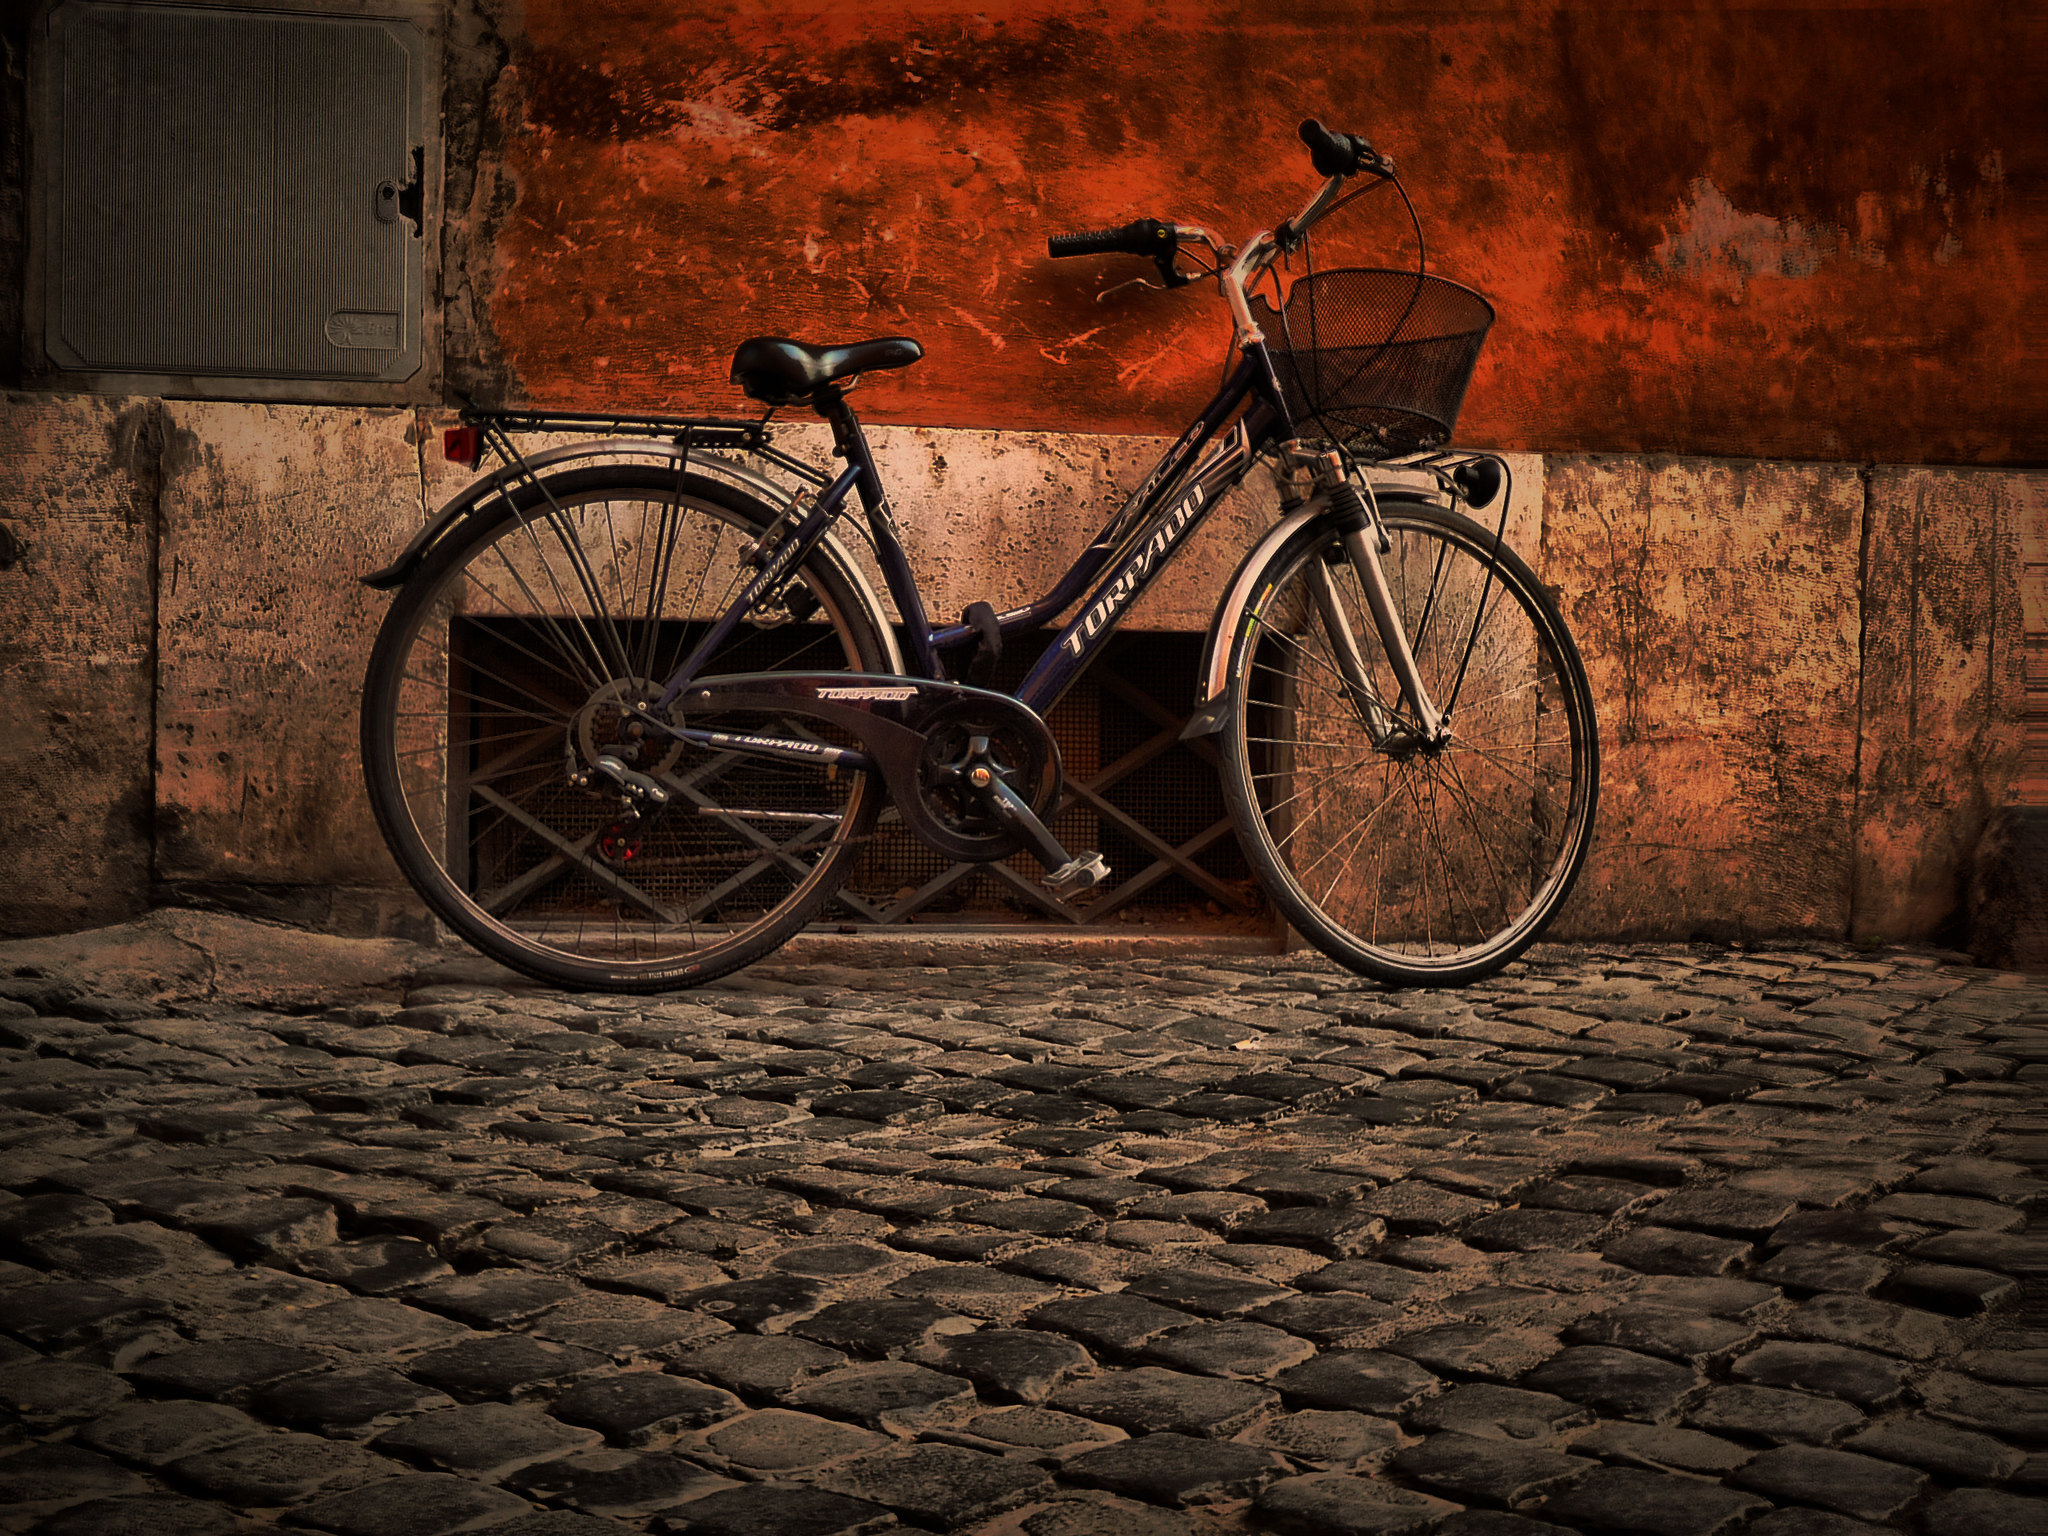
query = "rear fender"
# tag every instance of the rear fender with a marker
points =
(479, 492)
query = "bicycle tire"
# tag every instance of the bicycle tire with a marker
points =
(1473, 848)
(494, 682)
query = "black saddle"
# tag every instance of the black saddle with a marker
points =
(778, 371)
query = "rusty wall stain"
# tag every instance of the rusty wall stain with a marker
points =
(1760, 231)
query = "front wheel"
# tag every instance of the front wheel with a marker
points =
(499, 724)
(1416, 862)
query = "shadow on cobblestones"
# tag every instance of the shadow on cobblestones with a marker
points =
(1673, 1241)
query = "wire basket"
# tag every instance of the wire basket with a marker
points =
(1377, 359)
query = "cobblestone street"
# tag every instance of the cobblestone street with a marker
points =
(1671, 1240)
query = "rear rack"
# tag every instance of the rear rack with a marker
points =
(686, 432)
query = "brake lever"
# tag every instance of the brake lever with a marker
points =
(1170, 276)
(1137, 282)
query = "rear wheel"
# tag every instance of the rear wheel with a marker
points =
(511, 663)
(1418, 863)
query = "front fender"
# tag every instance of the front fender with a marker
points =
(1213, 677)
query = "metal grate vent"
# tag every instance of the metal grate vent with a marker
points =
(1148, 801)
(233, 193)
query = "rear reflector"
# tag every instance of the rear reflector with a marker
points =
(463, 445)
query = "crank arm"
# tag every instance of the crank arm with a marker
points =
(1065, 872)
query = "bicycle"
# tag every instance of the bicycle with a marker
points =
(636, 708)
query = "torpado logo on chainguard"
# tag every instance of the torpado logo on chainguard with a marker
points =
(872, 695)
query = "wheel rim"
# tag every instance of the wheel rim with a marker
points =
(515, 669)
(1418, 860)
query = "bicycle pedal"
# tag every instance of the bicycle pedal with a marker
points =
(1078, 874)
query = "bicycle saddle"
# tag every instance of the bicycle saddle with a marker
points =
(778, 371)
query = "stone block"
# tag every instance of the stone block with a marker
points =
(375, 1266)
(487, 1440)
(641, 1407)
(47, 1477)
(1858, 1486)
(1773, 1414)
(1616, 1381)
(157, 1434)
(1039, 1434)
(1118, 1321)
(775, 1509)
(883, 1328)
(79, 478)
(1331, 1320)
(946, 1486)
(1490, 1412)
(1326, 1504)
(1487, 1471)
(269, 1470)
(1176, 1469)
(349, 1403)
(759, 1366)
(413, 1504)
(1662, 1331)
(1654, 1503)
(1952, 1454)
(224, 1368)
(1234, 1348)
(629, 1484)
(1149, 1400)
(159, 1514)
(1982, 1512)
(1832, 1370)
(507, 1365)
(1716, 605)
(48, 1394)
(1943, 687)
(269, 513)
(778, 1441)
(1203, 1291)
(1660, 1446)
(890, 1395)
(1017, 1364)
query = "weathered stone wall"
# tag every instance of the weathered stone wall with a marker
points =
(1810, 677)
(78, 490)
(1771, 229)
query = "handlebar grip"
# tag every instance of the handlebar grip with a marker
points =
(1341, 154)
(1140, 237)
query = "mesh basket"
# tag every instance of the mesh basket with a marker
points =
(1378, 358)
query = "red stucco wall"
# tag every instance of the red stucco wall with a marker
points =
(1740, 230)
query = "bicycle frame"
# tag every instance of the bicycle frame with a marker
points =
(1121, 561)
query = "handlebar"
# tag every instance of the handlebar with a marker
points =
(1140, 237)
(1341, 154)
(1334, 155)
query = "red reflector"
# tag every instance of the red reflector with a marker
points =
(463, 445)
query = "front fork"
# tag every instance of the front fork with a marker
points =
(1364, 540)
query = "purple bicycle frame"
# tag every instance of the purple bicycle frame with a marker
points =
(1162, 519)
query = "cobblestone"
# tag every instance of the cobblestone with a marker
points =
(1647, 1240)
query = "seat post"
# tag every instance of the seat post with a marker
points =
(851, 444)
